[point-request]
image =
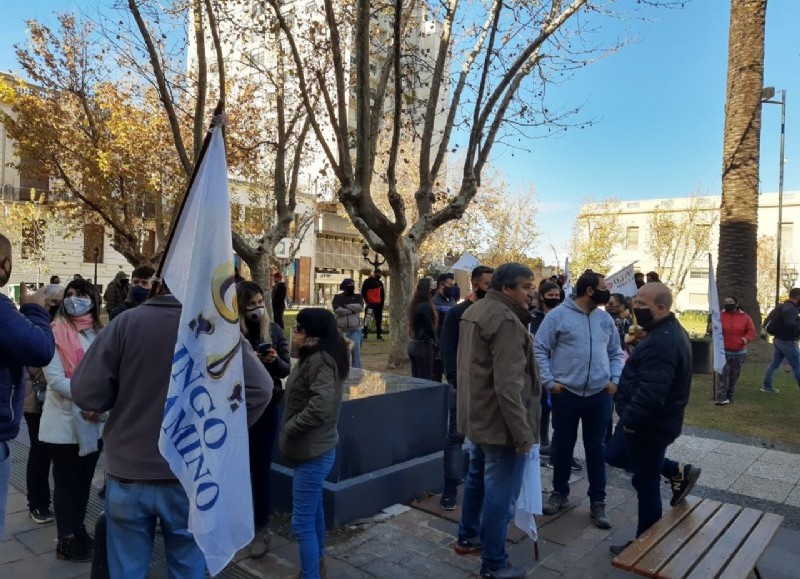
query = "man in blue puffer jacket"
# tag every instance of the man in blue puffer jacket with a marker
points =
(25, 340)
(580, 360)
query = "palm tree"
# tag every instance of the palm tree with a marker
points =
(738, 225)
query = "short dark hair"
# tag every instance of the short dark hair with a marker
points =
(620, 299)
(53, 279)
(443, 278)
(481, 270)
(508, 275)
(638, 274)
(548, 286)
(794, 293)
(588, 279)
(143, 272)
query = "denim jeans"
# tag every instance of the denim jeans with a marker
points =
(453, 447)
(37, 473)
(783, 349)
(490, 493)
(261, 438)
(355, 354)
(5, 478)
(308, 517)
(594, 413)
(646, 458)
(132, 510)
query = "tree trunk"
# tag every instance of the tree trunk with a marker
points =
(258, 260)
(738, 227)
(403, 266)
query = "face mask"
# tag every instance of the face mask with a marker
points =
(730, 307)
(449, 292)
(480, 294)
(139, 294)
(255, 314)
(77, 306)
(601, 297)
(551, 302)
(644, 317)
(349, 290)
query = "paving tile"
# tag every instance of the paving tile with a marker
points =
(39, 541)
(794, 497)
(13, 551)
(762, 488)
(19, 522)
(715, 461)
(45, 567)
(780, 457)
(696, 443)
(717, 480)
(270, 567)
(16, 503)
(341, 570)
(744, 451)
(778, 472)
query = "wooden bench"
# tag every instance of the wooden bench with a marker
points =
(702, 539)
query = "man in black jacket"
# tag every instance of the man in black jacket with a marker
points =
(650, 400)
(785, 326)
(448, 343)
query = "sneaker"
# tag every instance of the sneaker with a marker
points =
(42, 516)
(683, 486)
(380, 339)
(468, 546)
(576, 465)
(722, 402)
(617, 550)
(555, 502)
(448, 501)
(548, 463)
(598, 513)
(770, 390)
(260, 544)
(508, 572)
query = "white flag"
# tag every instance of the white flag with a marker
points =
(529, 501)
(716, 321)
(622, 282)
(568, 280)
(204, 432)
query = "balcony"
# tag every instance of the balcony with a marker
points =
(9, 194)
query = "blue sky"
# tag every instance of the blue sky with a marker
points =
(657, 106)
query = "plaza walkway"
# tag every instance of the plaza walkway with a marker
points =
(406, 542)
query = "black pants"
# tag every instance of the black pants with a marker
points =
(377, 313)
(421, 356)
(38, 469)
(544, 423)
(72, 475)
(262, 439)
(453, 447)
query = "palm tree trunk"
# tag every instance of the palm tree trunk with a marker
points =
(738, 226)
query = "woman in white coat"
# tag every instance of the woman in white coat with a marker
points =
(71, 434)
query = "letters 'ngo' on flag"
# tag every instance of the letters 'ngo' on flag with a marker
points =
(204, 432)
(716, 320)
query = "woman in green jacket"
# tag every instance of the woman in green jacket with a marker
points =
(308, 437)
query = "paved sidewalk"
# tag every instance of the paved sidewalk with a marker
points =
(409, 543)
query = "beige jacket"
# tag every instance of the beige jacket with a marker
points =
(498, 382)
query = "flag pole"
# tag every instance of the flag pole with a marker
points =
(215, 120)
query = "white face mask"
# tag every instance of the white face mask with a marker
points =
(255, 314)
(77, 306)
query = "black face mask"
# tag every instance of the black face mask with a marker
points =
(480, 294)
(551, 302)
(349, 290)
(601, 297)
(644, 317)
(730, 307)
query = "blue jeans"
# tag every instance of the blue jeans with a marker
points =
(355, 337)
(783, 349)
(453, 447)
(594, 413)
(5, 478)
(131, 513)
(308, 517)
(490, 493)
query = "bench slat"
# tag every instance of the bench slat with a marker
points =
(692, 551)
(748, 555)
(629, 557)
(673, 541)
(717, 557)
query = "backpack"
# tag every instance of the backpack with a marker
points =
(772, 324)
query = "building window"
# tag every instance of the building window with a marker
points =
(698, 273)
(633, 205)
(93, 239)
(632, 239)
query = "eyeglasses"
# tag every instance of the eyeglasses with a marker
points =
(298, 329)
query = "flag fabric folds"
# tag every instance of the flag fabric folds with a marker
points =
(568, 283)
(716, 320)
(529, 502)
(204, 431)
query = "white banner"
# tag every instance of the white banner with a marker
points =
(622, 282)
(204, 432)
(716, 321)
(467, 262)
(568, 281)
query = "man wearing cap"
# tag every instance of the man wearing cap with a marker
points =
(347, 306)
(116, 292)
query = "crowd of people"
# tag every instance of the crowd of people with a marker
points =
(526, 365)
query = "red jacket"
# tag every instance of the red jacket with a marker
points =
(735, 326)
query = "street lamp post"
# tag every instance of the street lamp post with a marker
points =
(375, 263)
(767, 93)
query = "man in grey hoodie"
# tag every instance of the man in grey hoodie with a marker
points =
(580, 360)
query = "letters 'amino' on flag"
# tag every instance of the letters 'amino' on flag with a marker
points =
(204, 431)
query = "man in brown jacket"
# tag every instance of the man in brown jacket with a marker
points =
(499, 410)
